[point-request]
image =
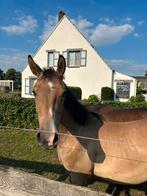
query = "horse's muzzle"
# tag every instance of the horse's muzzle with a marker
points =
(44, 142)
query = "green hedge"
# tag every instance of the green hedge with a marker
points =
(18, 112)
(107, 94)
(76, 91)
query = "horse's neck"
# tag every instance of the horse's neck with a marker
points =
(88, 129)
(80, 137)
(69, 123)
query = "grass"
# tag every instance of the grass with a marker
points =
(20, 150)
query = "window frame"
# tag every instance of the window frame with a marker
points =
(27, 86)
(124, 82)
(66, 56)
(55, 59)
(30, 89)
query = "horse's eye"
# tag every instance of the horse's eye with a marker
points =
(34, 93)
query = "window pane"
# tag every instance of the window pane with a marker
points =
(27, 82)
(55, 62)
(83, 62)
(77, 58)
(74, 58)
(64, 53)
(26, 85)
(50, 58)
(83, 54)
(32, 83)
(71, 58)
(56, 55)
(123, 89)
(27, 90)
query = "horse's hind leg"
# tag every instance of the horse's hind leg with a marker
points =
(79, 179)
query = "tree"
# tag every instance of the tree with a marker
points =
(2, 75)
(12, 74)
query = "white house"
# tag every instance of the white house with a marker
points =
(85, 67)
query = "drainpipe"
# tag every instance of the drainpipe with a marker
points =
(112, 83)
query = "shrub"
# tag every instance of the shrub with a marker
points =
(138, 98)
(92, 99)
(18, 112)
(107, 94)
(76, 91)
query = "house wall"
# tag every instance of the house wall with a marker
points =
(90, 78)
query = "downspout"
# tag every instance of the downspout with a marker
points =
(112, 82)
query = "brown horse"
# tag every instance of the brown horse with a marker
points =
(88, 144)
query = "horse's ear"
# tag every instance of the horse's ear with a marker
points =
(61, 66)
(36, 70)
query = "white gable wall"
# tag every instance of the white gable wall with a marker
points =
(91, 78)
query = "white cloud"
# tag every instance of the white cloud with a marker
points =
(136, 35)
(106, 34)
(128, 66)
(101, 34)
(49, 24)
(141, 22)
(127, 20)
(82, 23)
(25, 24)
(106, 20)
(12, 58)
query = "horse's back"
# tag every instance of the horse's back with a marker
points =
(109, 113)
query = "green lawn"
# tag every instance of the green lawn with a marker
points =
(20, 150)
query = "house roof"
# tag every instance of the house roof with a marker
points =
(58, 23)
(140, 77)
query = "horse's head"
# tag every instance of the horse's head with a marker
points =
(49, 91)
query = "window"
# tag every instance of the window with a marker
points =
(123, 89)
(53, 57)
(75, 58)
(32, 83)
(29, 84)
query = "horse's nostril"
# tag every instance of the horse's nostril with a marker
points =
(38, 136)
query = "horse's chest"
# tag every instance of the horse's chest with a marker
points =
(74, 157)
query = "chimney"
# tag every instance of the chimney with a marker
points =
(60, 15)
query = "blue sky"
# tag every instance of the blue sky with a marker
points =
(116, 28)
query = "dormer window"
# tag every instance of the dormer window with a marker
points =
(75, 57)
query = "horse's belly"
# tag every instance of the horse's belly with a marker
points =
(121, 170)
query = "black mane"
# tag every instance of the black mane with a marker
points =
(48, 72)
(77, 110)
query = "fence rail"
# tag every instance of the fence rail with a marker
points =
(18, 183)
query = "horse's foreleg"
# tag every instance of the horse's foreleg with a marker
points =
(79, 179)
